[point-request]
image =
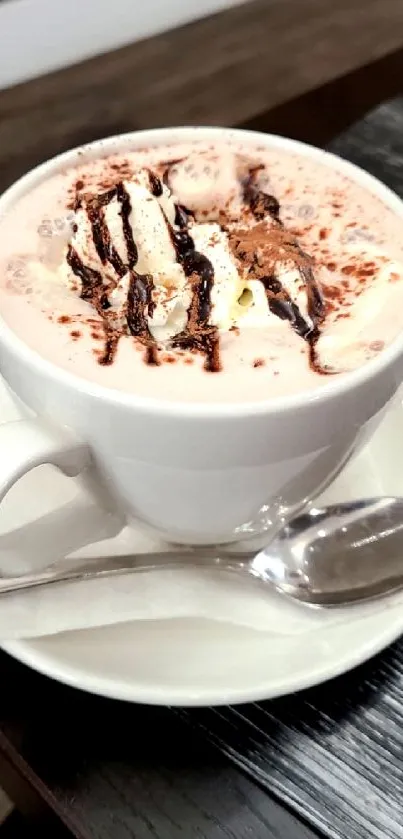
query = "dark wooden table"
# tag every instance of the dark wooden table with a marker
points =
(95, 768)
(83, 766)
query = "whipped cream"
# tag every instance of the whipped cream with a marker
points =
(153, 229)
(152, 220)
(203, 184)
(148, 223)
(209, 184)
(180, 256)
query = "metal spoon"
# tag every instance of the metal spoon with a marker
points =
(330, 556)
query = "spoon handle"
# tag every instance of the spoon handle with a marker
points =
(113, 566)
(331, 556)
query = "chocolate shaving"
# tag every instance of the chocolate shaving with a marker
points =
(182, 215)
(151, 355)
(111, 344)
(262, 204)
(156, 188)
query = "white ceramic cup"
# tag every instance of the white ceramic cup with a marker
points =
(197, 473)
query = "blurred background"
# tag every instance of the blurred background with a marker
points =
(76, 70)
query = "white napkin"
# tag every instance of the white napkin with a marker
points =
(48, 517)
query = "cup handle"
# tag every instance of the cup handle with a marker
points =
(27, 443)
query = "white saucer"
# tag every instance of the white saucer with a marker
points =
(191, 662)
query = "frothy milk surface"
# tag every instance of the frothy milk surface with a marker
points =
(293, 290)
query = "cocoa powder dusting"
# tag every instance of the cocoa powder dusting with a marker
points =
(332, 292)
(262, 249)
(377, 346)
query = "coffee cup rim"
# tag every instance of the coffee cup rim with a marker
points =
(344, 382)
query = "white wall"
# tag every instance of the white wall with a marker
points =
(37, 36)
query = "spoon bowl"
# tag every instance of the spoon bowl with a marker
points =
(338, 555)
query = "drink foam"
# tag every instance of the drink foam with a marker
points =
(352, 238)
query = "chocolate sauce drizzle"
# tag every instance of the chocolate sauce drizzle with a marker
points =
(281, 305)
(139, 303)
(182, 216)
(101, 236)
(92, 288)
(139, 298)
(199, 335)
(125, 209)
(282, 248)
(316, 304)
(263, 204)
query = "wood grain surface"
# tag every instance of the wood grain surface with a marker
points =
(334, 755)
(227, 69)
(110, 770)
(376, 144)
(319, 115)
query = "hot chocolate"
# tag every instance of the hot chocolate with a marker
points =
(203, 273)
